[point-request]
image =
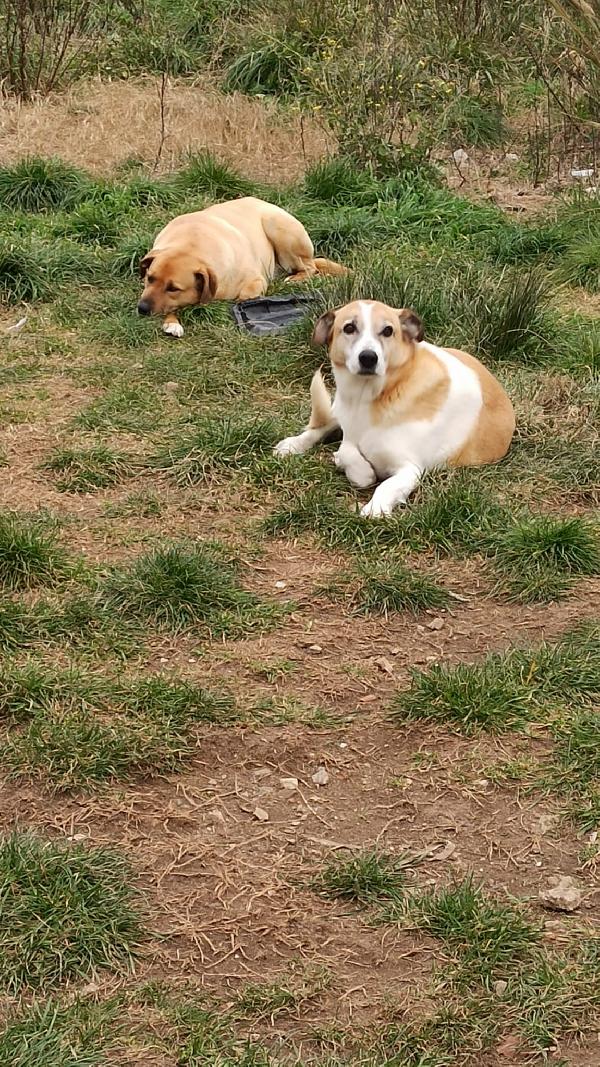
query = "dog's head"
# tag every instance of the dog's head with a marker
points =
(174, 281)
(368, 338)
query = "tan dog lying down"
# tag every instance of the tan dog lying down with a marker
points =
(404, 406)
(229, 251)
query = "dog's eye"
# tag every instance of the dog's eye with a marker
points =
(349, 328)
(172, 288)
(387, 331)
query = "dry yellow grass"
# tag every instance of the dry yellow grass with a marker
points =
(99, 125)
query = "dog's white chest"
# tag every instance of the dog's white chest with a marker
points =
(426, 443)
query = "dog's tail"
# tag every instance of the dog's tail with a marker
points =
(320, 401)
(327, 266)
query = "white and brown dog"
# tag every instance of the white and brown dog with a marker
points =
(404, 406)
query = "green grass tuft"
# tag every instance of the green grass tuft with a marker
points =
(219, 445)
(580, 263)
(339, 181)
(507, 690)
(487, 936)
(206, 174)
(32, 268)
(77, 1034)
(365, 878)
(80, 729)
(37, 184)
(83, 470)
(539, 558)
(184, 586)
(67, 911)
(384, 586)
(29, 553)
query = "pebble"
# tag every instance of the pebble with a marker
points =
(321, 776)
(564, 895)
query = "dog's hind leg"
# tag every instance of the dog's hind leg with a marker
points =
(322, 422)
(293, 247)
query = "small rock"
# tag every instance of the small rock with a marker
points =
(511, 157)
(435, 624)
(385, 665)
(565, 895)
(280, 585)
(215, 817)
(321, 776)
(547, 822)
(261, 814)
(171, 387)
(448, 849)
(460, 156)
(289, 783)
(315, 648)
(500, 988)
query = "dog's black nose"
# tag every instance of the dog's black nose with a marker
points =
(144, 307)
(367, 360)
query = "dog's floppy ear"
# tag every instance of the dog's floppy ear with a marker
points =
(145, 263)
(206, 284)
(412, 326)
(323, 327)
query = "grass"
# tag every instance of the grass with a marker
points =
(30, 555)
(84, 470)
(383, 586)
(77, 1034)
(38, 184)
(207, 411)
(182, 586)
(68, 911)
(78, 621)
(487, 936)
(80, 729)
(575, 768)
(364, 878)
(540, 558)
(131, 408)
(204, 173)
(507, 690)
(219, 446)
(259, 1000)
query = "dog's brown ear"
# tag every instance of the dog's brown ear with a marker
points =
(412, 326)
(145, 263)
(206, 284)
(323, 327)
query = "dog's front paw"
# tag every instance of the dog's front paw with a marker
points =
(173, 329)
(375, 509)
(290, 446)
